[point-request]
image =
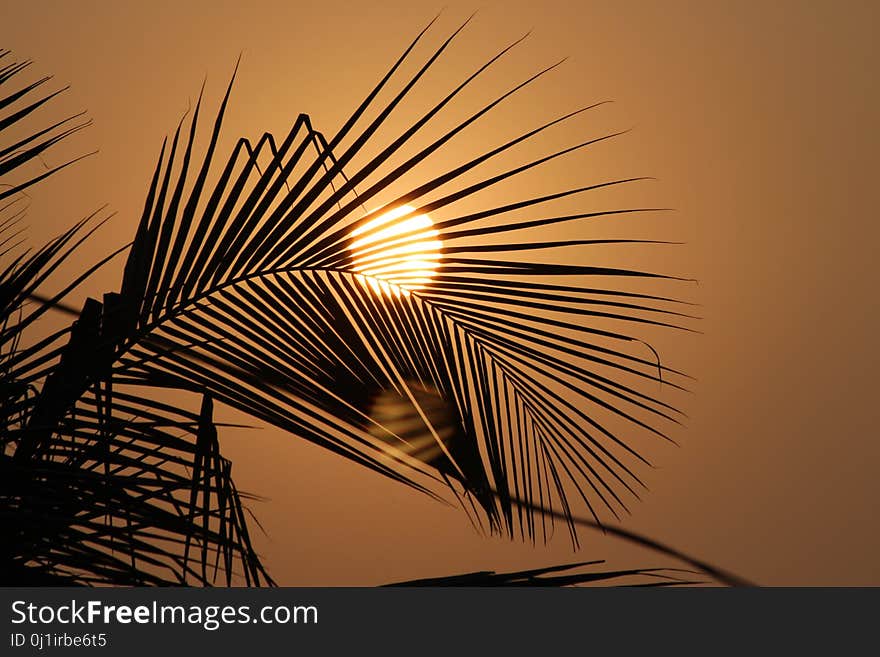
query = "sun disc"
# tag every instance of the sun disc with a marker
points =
(396, 252)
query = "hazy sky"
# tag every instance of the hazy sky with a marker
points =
(758, 119)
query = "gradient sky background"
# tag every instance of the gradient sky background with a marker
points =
(759, 121)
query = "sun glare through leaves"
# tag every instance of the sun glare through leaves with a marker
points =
(396, 252)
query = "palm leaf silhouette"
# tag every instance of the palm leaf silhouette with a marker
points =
(265, 284)
(251, 290)
(95, 487)
(123, 489)
(575, 574)
(18, 106)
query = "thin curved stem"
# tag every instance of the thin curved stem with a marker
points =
(722, 575)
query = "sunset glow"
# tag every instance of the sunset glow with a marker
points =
(396, 252)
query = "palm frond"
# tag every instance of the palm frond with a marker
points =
(256, 286)
(18, 104)
(573, 574)
(127, 500)
(98, 485)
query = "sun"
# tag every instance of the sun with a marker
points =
(396, 252)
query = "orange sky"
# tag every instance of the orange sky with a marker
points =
(758, 122)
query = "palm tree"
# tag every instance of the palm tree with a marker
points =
(429, 343)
